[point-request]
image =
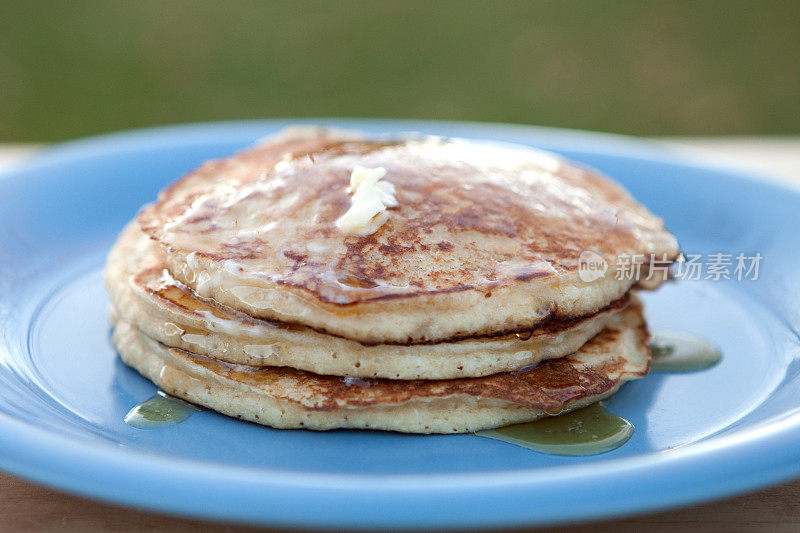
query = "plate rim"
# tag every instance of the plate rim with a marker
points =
(113, 474)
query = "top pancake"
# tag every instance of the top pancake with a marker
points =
(486, 237)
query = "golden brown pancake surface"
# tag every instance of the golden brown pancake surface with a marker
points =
(144, 294)
(289, 398)
(485, 238)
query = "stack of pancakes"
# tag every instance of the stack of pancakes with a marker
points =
(463, 309)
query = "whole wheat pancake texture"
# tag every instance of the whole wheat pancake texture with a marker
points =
(287, 398)
(484, 238)
(145, 295)
(326, 280)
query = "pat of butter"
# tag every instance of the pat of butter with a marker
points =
(371, 198)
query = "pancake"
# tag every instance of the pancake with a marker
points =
(146, 296)
(485, 238)
(287, 398)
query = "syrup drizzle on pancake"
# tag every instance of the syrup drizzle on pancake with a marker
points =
(593, 430)
(588, 431)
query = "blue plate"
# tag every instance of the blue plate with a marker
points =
(63, 390)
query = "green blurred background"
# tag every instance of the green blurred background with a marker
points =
(648, 68)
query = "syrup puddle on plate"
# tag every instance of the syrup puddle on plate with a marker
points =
(593, 430)
(673, 351)
(160, 411)
(586, 431)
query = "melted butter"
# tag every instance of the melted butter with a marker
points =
(182, 298)
(354, 281)
(263, 351)
(215, 319)
(586, 431)
(161, 410)
(681, 352)
(371, 198)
